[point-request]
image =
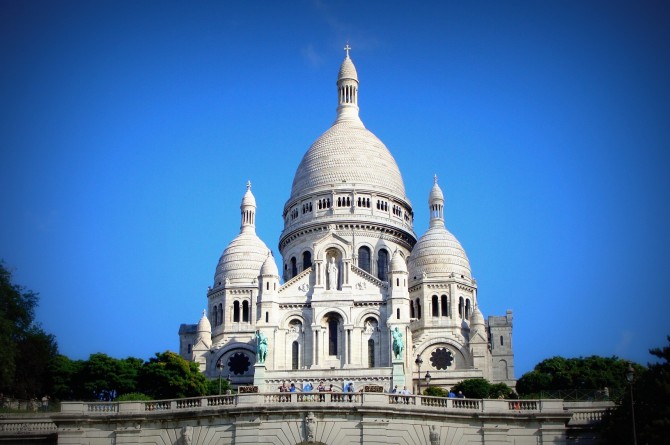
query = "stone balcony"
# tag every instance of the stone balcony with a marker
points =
(310, 417)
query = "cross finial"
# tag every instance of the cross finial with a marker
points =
(347, 48)
(248, 185)
(435, 179)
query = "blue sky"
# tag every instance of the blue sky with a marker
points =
(129, 130)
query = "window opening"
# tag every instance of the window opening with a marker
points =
(382, 264)
(295, 349)
(306, 260)
(332, 336)
(245, 311)
(236, 311)
(371, 353)
(364, 258)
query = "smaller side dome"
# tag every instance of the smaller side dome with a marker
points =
(438, 253)
(204, 325)
(269, 266)
(244, 256)
(477, 319)
(398, 263)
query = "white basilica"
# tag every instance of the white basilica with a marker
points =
(352, 271)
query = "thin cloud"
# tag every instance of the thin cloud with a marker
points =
(314, 59)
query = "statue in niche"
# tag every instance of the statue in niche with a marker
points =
(310, 427)
(398, 345)
(261, 347)
(332, 274)
(187, 435)
(434, 435)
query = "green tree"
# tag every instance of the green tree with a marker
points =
(169, 376)
(474, 388)
(651, 393)
(213, 386)
(26, 351)
(66, 381)
(482, 389)
(583, 373)
(104, 377)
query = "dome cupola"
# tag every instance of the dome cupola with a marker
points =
(204, 325)
(241, 261)
(398, 263)
(269, 267)
(438, 253)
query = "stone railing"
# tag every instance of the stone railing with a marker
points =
(587, 413)
(26, 425)
(365, 399)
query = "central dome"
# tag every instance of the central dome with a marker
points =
(348, 153)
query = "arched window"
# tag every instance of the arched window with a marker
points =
(418, 309)
(364, 258)
(306, 260)
(267, 316)
(245, 311)
(445, 306)
(294, 267)
(236, 311)
(214, 314)
(371, 353)
(468, 308)
(436, 306)
(382, 264)
(295, 349)
(397, 314)
(501, 340)
(332, 336)
(460, 307)
(411, 309)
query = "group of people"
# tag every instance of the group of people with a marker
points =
(307, 387)
(458, 395)
(403, 392)
(322, 388)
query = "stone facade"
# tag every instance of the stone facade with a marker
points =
(352, 271)
(333, 418)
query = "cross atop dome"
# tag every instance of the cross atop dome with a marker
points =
(347, 49)
(435, 179)
(248, 185)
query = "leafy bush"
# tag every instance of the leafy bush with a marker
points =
(133, 396)
(482, 389)
(436, 391)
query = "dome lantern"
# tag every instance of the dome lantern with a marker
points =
(436, 203)
(347, 90)
(248, 209)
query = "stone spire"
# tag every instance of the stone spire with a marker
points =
(347, 90)
(436, 203)
(248, 209)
